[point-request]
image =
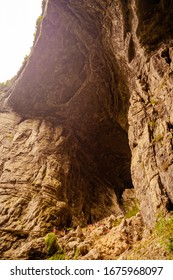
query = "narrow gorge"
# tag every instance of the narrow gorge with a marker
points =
(88, 117)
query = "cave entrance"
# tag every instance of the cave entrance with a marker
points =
(109, 175)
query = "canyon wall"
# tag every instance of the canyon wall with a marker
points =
(88, 116)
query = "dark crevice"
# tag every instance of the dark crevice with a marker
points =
(165, 54)
(169, 204)
(150, 13)
(131, 50)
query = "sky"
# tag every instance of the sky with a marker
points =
(17, 26)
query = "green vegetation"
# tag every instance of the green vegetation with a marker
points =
(157, 138)
(76, 255)
(159, 243)
(5, 85)
(10, 136)
(54, 251)
(132, 211)
(117, 222)
(39, 20)
(152, 101)
(152, 124)
(51, 243)
(164, 229)
(26, 58)
(68, 229)
(57, 256)
(37, 25)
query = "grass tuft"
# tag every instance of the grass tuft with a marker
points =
(164, 229)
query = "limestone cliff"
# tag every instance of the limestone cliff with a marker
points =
(93, 99)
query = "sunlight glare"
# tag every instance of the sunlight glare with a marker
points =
(17, 26)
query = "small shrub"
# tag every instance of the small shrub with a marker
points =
(51, 243)
(54, 251)
(39, 20)
(25, 58)
(37, 26)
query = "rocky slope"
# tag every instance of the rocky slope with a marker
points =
(89, 113)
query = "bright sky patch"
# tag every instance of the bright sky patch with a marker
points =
(17, 26)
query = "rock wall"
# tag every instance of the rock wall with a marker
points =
(150, 112)
(97, 71)
(138, 35)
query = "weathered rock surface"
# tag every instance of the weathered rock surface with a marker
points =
(97, 71)
(100, 241)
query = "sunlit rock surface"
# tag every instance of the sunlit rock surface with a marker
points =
(99, 78)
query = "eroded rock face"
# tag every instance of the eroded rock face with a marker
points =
(65, 157)
(150, 113)
(143, 51)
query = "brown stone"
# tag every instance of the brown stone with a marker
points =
(99, 78)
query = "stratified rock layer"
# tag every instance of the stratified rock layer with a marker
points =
(65, 156)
